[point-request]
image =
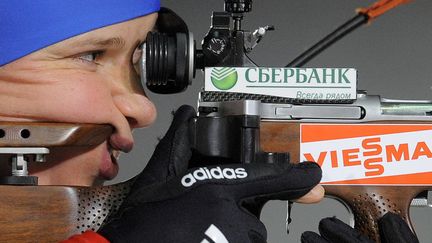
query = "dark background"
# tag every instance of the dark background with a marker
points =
(392, 56)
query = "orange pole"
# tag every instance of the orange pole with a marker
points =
(380, 7)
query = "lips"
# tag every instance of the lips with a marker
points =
(120, 143)
(109, 167)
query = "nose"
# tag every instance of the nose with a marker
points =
(129, 97)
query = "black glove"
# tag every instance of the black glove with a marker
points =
(393, 229)
(171, 203)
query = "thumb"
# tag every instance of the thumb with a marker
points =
(271, 181)
(173, 152)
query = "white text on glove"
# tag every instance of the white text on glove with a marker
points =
(204, 173)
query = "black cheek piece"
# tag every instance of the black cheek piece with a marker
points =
(168, 64)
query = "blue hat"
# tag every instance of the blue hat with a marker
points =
(29, 25)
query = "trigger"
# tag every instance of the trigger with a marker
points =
(288, 216)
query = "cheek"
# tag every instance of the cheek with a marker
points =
(86, 100)
(71, 98)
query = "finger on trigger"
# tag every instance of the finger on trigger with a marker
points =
(313, 196)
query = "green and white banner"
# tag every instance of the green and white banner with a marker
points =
(296, 83)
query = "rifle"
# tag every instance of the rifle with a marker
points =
(269, 136)
(251, 127)
(77, 209)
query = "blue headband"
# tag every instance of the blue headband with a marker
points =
(29, 25)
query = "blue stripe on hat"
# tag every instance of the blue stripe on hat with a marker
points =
(29, 25)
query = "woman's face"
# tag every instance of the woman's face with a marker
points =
(90, 78)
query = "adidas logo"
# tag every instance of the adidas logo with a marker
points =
(204, 173)
(215, 235)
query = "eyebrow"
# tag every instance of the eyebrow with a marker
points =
(114, 42)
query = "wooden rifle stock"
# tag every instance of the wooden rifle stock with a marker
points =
(367, 203)
(53, 213)
(45, 134)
